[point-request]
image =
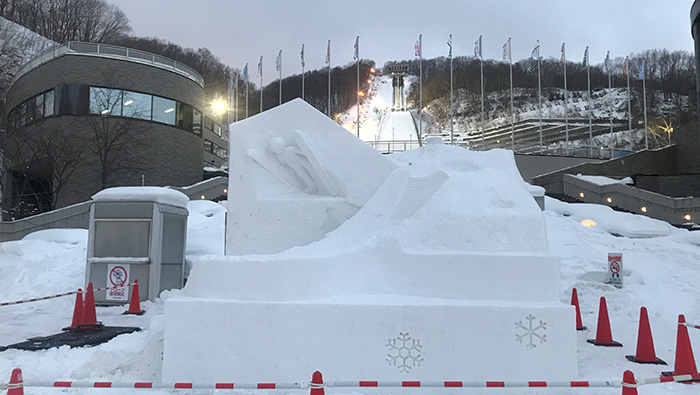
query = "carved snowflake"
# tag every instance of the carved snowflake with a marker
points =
(404, 352)
(530, 332)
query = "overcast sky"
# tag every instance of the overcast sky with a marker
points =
(239, 32)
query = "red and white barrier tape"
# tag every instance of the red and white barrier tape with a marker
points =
(356, 384)
(689, 325)
(60, 295)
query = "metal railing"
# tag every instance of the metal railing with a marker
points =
(109, 51)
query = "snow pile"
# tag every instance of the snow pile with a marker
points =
(613, 222)
(602, 180)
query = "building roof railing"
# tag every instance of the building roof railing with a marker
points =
(109, 51)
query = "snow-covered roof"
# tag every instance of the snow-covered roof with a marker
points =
(140, 194)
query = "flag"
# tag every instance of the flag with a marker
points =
(260, 67)
(607, 62)
(449, 43)
(302, 56)
(245, 72)
(357, 48)
(563, 53)
(624, 66)
(419, 46)
(585, 57)
(278, 62)
(477, 48)
(641, 71)
(536, 51)
(328, 53)
(506, 50)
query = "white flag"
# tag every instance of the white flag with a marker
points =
(278, 62)
(357, 48)
(477, 48)
(419, 46)
(449, 43)
(536, 52)
(302, 56)
(506, 50)
(328, 53)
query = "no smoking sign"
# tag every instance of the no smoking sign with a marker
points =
(615, 269)
(117, 278)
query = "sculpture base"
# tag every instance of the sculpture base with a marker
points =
(369, 337)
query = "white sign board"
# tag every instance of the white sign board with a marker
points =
(615, 269)
(117, 278)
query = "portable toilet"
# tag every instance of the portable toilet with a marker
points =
(136, 233)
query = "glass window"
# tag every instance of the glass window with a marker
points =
(12, 119)
(48, 103)
(39, 107)
(105, 101)
(220, 152)
(217, 129)
(184, 116)
(208, 124)
(137, 105)
(23, 114)
(208, 146)
(163, 110)
(30, 111)
(197, 122)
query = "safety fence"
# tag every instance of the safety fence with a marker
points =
(80, 291)
(317, 384)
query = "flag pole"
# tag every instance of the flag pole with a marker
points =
(247, 81)
(644, 89)
(261, 84)
(452, 130)
(590, 109)
(610, 105)
(629, 96)
(420, 95)
(302, 71)
(229, 102)
(280, 58)
(235, 100)
(328, 60)
(566, 98)
(539, 94)
(481, 57)
(357, 56)
(512, 113)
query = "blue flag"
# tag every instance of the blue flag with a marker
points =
(245, 72)
(641, 71)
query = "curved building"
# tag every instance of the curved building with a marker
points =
(84, 116)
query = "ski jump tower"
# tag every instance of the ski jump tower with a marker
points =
(397, 74)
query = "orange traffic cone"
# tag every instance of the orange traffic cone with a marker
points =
(603, 335)
(88, 322)
(135, 301)
(685, 361)
(629, 383)
(317, 384)
(77, 311)
(645, 342)
(574, 302)
(16, 386)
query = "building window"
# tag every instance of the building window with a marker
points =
(197, 122)
(164, 110)
(39, 107)
(217, 129)
(30, 111)
(184, 116)
(105, 101)
(208, 123)
(220, 152)
(23, 114)
(137, 105)
(208, 146)
(48, 103)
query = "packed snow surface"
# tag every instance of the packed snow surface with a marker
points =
(660, 272)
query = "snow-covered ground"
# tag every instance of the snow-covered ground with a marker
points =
(660, 272)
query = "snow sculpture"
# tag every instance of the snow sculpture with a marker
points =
(429, 265)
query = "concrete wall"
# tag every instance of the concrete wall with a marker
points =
(534, 165)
